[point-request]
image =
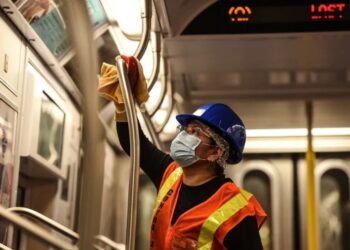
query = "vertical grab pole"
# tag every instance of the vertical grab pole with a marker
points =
(311, 201)
(134, 154)
(90, 209)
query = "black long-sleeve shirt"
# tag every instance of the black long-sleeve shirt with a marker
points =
(245, 236)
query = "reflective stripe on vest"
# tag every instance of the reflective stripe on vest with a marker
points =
(216, 219)
(246, 194)
(169, 182)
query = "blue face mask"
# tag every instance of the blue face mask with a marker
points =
(183, 147)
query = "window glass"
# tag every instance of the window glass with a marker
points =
(7, 130)
(259, 184)
(46, 18)
(127, 14)
(97, 14)
(334, 194)
(51, 131)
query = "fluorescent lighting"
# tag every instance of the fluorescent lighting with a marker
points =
(128, 15)
(331, 131)
(292, 132)
(276, 132)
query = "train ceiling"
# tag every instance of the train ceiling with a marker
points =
(265, 77)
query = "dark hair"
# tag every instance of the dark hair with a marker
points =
(218, 169)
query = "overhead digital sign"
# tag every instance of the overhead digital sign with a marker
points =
(239, 13)
(266, 16)
(281, 12)
(328, 11)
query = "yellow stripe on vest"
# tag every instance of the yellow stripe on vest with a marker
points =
(169, 182)
(246, 194)
(216, 219)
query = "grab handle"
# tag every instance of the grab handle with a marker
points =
(34, 230)
(47, 221)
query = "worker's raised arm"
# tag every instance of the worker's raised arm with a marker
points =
(152, 160)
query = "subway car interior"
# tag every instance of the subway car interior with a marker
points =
(283, 66)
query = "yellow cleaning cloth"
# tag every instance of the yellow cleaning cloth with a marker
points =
(110, 89)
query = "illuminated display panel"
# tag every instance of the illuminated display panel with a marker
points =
(258, 16)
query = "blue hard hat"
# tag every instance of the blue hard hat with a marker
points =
(225, 122)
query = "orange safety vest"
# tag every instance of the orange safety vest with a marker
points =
(204, 226)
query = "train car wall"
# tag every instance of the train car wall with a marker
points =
(12, 55)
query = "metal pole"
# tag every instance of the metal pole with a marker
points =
(90, 207)
(311, 196)
(146, 16)
(134, 154)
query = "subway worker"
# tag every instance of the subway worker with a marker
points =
(197, 207)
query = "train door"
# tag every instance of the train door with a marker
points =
(271, 181)
(332, 180)
(332, 187)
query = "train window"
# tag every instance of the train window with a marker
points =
(259, 184)
(51, 131)
(96, 11)
(147, 61)
(46, 18)
(127, 14)
(7, 126)
(154, 94)
(334, 195)
(161, 114)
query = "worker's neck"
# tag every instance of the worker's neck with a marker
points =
(198, 173)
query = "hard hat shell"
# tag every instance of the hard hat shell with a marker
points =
(224, 121)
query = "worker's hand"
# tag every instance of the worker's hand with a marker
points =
(110, 89)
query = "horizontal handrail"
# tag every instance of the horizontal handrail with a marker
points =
(34, 230)
(3, 247)
(47, 221)
(103, 239)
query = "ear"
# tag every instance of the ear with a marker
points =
(218, 152)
